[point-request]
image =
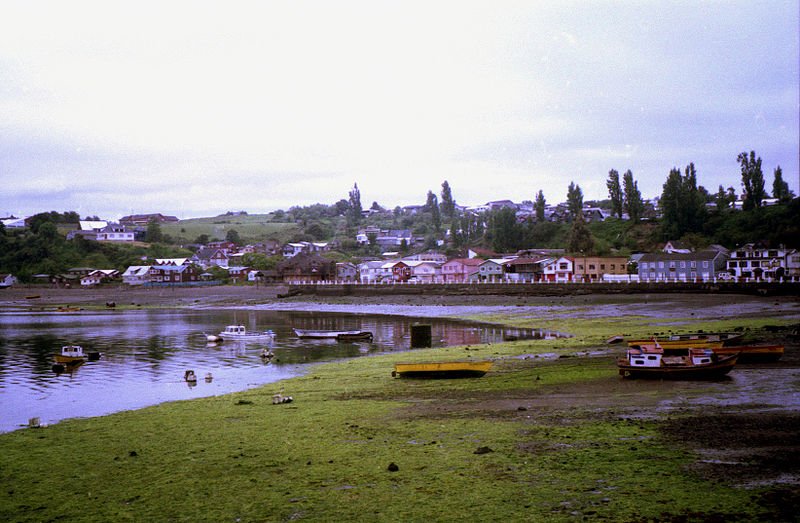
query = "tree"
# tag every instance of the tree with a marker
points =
(432, 206)
(632, 198)
(574, 199)
(448, 204)
(615, 192)
(780, 189)
(539, 206)
(752, 180)
(721, 199)
(580, 238)
(355, 209)
(233, 236)
(504, 230)
(153, 234)
(683, 205)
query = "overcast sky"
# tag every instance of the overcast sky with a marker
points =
(198, 108)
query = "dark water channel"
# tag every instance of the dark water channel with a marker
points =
(145, 354)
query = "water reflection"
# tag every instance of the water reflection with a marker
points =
(146, 353)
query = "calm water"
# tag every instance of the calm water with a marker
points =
(145, 354)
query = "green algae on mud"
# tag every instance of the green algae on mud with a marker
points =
(548, 434)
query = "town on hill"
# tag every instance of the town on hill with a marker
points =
(686, 234)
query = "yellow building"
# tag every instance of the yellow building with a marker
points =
(592, 268)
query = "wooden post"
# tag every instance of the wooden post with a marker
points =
(420, 335)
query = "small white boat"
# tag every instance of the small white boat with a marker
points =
(239, 332)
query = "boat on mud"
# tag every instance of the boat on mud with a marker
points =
(340, 335)
(697, 340)
(656, 362)
(239, 332)
(442, 369)
(752, 353)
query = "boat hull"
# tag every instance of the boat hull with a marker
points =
(710, 371)
(322, 334)
(446, 369)
(68, 360)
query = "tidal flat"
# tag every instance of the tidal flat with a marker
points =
(551, 433)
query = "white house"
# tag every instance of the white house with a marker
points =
(373, 271)
(136, 275)
(14, 223)
(425, 271)
(560, 270)
(115, 233)
(750, 261)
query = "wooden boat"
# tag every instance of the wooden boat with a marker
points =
(655, 362)
(696, 340)
(328, 334)
(70, 355)
(751, 353)
(361, 336)
(239, 332)
(442, 369)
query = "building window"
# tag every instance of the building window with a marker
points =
(683, 265)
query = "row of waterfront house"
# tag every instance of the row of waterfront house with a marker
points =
(673, 263)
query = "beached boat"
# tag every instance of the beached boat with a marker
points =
(329, 334)
(751, 353)
(655, 362)
(697, 340)
(239, 332)
(442, 369)
(70, 355)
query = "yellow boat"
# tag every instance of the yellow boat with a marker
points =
(442, 369)
(678, 344)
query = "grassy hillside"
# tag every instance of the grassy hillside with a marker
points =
(251, 227)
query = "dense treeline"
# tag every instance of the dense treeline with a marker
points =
(688, 212)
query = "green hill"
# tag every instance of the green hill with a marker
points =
(251, 228)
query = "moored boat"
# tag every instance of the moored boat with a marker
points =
(329, 334)
(361, 336)
(442, 369)
(655, 362)
(70, 355)
(239, 332)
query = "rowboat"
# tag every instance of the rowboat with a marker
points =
(70, 355)
(750, 353)
(239, 332)
(696, 340)
(331, 334)
(655, 362)
(442, 369)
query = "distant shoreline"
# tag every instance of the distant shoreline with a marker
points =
(42, 298)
